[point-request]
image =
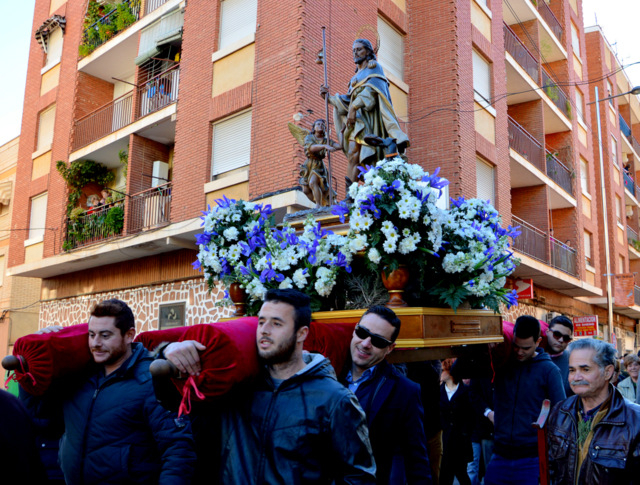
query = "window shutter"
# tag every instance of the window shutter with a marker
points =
(54, 47)
(38, 217)
(485, 185)
(391, 53)
(45, 128)
(167, 27)
(237, 20)
(584, 175)
(231, 143)
(481, 76)
(580, 105)
(587, 246)
(575, 40)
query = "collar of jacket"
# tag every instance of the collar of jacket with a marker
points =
(615, 416)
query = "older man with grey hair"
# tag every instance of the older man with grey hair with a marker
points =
(594, 436)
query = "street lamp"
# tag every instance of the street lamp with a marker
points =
(607, 257)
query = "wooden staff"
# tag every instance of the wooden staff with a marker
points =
(326, 107)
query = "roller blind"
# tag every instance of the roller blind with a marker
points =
(237, 20)
(45, 128)
(485, 185)
(38, 217)
(481, 76)
(391, 53)
(231, 143)
(584, 175)
(54, 47)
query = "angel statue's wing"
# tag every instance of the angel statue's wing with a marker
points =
(298, 133)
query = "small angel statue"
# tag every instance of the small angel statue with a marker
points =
(313, 174)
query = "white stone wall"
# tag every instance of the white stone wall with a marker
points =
(145, 302)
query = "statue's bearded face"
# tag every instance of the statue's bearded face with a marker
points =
(318, 127)
(360, 53)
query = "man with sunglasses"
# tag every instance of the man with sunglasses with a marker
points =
(559, 335)
(390, 400)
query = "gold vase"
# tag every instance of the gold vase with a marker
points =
(239, 298)
(395, 283)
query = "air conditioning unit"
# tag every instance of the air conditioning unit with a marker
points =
(551, 315)
(619, 332)
(160, 173)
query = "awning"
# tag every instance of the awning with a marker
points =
(49, 25)
(5, 192)
(167, 39)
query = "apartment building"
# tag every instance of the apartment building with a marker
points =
(19, 296)
(184, 101)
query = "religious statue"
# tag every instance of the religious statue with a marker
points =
(314, 178)
(365, 110)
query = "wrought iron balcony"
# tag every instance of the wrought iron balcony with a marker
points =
(94, 226)
(151, 5)
(526, 145)
(563, 257)
(514, 46)
(150, 209)
(629, 184)
(559, 173)
(555, 93)
(109, 25)
(632, 236)
(551, 20)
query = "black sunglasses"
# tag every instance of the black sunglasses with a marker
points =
(560, 336)
(376, 340)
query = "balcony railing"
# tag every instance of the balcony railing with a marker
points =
(151, 5)
(109, 25)
(155, 94)
(158, 92)
(550, 19)
(629, 183)
(559, 173)
(514, 46)
(95, 225)
(103, 121)
(531, 241)
(632, 236)
(555, 93)
(636, 295)
(526, 145)
(150, 209)
(624, 127)
(563, 257)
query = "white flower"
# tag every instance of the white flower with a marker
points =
(386, 227)
(374, 255)
(358, 243)
(231, 234)
(389, 246)
(300, 278)
(285, 284)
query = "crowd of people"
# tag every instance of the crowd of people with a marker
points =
(467, 419)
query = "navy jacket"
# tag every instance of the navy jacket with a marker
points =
(519, 389)
(117, 433)
(395, 416)
(457, 423)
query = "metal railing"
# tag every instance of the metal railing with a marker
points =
(550, 19)
(95, 225)
(526, 145)
(555, 93)
(624, 127)
(531, 241)
(629, 184)
(632, 235)
(103, 121)
(636, 294)
(150, 208)
(514, 46)
(110, 25)
(559, 173)
(159, 92)
(563, 257)
(151, 5)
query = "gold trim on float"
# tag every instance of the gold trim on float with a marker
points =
(445, 342)
(408, 311)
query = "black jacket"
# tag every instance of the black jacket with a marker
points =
(395, 415)
(308, 430)
(614, 451)
(457, 422)
(520, 388)
(481, 394)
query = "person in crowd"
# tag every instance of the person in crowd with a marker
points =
(481, 393)
(629, 386)
(115, 430)
(594, 436)
(616, 373)
(427, 374)
(623, 373)
(390, 400)
(521, 386)
(456, 415)
(19, 456)
(295, 423)
(559, 335)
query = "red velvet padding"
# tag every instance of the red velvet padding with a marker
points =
(152, 338)
(331, 340)
(52, 355)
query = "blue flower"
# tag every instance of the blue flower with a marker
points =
(203, 238)
(390, 189)
(436, 182)
(197, 265)
(224, 202)
(340, 210)
(370, 205)
(341, 261)
(365, 169)
(458, 202)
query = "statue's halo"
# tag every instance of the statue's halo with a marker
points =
(368, 27)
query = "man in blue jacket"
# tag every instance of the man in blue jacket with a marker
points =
(520, 386)
(390, 400)
(115, 430)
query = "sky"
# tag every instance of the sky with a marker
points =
(618, 19)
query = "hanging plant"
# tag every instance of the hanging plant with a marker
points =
(80, 173)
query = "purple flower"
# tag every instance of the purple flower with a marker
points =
(365, 169)
(341, 261)
(390, 189)
(436, 182)
(370, 205)
(224, 202)
(340, 210)
(197, 265)
(203, 238)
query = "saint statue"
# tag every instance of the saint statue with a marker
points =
(366, 109)
(314, 178)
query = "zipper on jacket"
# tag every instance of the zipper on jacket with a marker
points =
(263, 435)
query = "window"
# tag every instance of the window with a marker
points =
(618, 209)
(45, 128)
(54, 47)
(587, 248)
(482, 78)
(231, 143)
(238, 19)
(159, 35)
(38, 217)
(391, 53)
(620, 264)
(610, 91)
(614, 151)
(575, 40)
(580, 105)
(485, 181)
(584, 175)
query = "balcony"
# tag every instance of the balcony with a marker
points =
(634, 243)
(551, 20)
(514, 46)
(555, 93)
(146, 210)
(636, 295)
(550, 171)
(626, 131)
(548, 261)
(152, 96)
(109, 25)
(629, 183)
(151, 5)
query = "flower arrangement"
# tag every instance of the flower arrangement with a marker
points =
(240, 243)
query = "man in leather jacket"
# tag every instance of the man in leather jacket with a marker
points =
(594, 436)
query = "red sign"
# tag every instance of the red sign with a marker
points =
(614, 340)
(586, 326)
(524, 288)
